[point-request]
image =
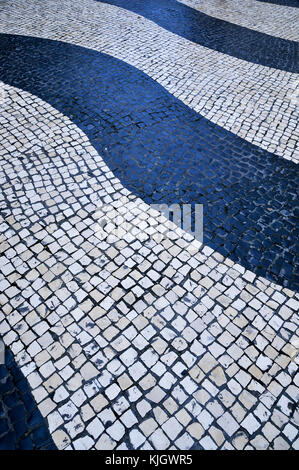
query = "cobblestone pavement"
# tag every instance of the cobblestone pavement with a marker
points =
(248, 194)
(254, 102)
(128, 332)
(269, 19)
(216, 34)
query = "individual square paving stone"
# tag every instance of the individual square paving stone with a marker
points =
(68, 411)
(215, 408)
(105, 442)
(189, 385)
(290, 432)
(247, 399)
(234, 387)
(54, 421)
(195, 430)
(66, 372)
(217, 376)
(159, 345)
(95, 428)
(129, 419)
(120, 405)
(179, 394)
(84, 443)
(88, 371)
(238, 412)
(205, 418)
(75, 426)
(137, 371)
(172, 428)
(240, 441)
(280, 444)
(263, 362)
(116, 431)
(228, 424)
(260, 443)
(86, 412)
(124, 382)
(185, 442)
(143, 407)
(46, 406)
(60, 394)
(159, 440)
(61, 439)
(217, 435)
(112, 391)
(78, 398)
(149, 381)
(207, 443)
(107, 416)
(134, 393)
(136, 438)
(183, 417)
(250, 423)
(156, 395)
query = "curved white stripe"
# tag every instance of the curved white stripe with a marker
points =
(257, 103)
(275, 20)
(46, 166)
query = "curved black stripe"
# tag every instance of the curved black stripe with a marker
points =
(288, 3)
(229, 38)
(22, 426)
(165, 152)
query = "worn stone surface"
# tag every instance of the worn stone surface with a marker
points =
(270, 19)
(248, 194)
(255, 102)
(129, 332)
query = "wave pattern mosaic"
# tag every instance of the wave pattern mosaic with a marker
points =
(222, 88)
(131, 339)
(270, 19)
(217, 34)
(164, 152)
